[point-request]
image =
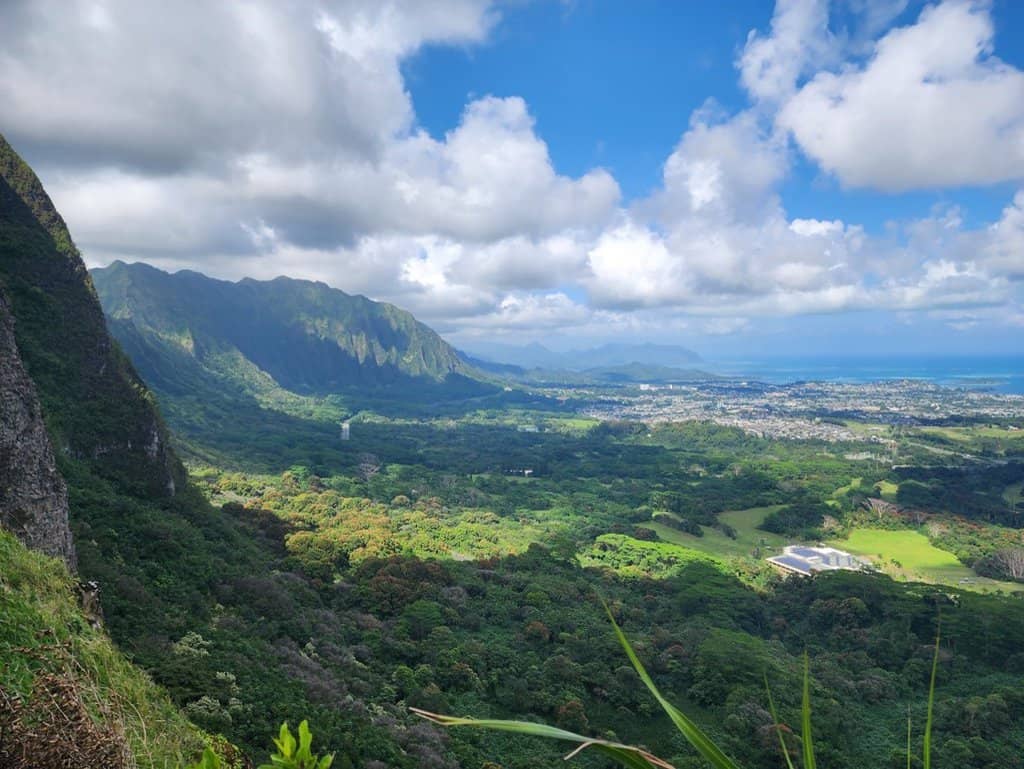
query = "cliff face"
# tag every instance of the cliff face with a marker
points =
(33, 497)
(97, 410)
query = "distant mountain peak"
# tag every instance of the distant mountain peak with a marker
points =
(610, 354)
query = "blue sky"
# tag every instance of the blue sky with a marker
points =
(800, 176)
(614, 84)
(609, 84)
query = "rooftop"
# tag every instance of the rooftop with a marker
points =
(806, 560)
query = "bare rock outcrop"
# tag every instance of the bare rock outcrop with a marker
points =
(33, 497)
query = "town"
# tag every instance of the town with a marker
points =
(807, 410)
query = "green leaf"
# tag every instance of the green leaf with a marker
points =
(210, 760)
(908, 736)
(778, 724)
(805, 718)
(626, 755)
(304, 755)
(926, 755)
(693, 734)
(285, 742)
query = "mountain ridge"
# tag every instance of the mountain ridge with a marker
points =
(609, 355)
(306, 336)
(97, 409)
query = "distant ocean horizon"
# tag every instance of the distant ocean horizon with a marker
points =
(1002, 374)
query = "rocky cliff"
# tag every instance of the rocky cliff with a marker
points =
(97, 410)
(33, 497)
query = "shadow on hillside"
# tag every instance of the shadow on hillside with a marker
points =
(235, 432)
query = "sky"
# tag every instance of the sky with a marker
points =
(796, 177)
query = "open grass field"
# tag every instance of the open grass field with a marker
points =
(714, 542)
(967, 434)
(571, 424)
(867, 428)
(910, 555)
(888, 490)
(853, 484)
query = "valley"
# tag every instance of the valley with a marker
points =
(455, 549)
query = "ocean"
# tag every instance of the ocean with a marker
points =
(1002, 374)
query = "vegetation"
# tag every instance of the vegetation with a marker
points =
(65, 690)
(633, 757)
(911, 555)
(97, 410)
(290, 753)
(275, 340)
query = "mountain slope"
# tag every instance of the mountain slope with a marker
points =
(68, 697)
(305, 337)
(79, 438)
(33, 496)
(96, 408)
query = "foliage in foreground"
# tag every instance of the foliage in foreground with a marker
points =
(291, 753)
(634, 757)
(65, 690)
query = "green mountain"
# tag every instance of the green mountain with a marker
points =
(85, 465)
(96, 408)
(300, 336)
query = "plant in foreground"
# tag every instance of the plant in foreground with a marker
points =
(291, 753)
(634, 757)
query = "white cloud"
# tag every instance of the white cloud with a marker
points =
(170, 86)
(770, 65)
(723, 170)
(1004, 252)
(932, 107)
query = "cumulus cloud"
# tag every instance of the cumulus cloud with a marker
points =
(286, 118)
(932, 107)
(174, 86)
(771, 64)
(1003, 253)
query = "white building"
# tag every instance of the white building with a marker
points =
(807, 560)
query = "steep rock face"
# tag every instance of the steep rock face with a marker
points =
(33, 497)
(96, 408)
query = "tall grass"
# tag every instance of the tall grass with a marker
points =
(634, 757)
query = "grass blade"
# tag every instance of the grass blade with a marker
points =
(805, 718)
(627, 755)
(778, 724)
(926, 755)
(908, 736)
(693, 734)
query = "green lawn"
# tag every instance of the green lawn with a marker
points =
(867, 428)
(888, 490)
(714, 542)
(966, 434)
(571, 424)
(853, 484)
(909, 554)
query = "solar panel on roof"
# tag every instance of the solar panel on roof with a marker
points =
(803, 552)
(793, 562)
